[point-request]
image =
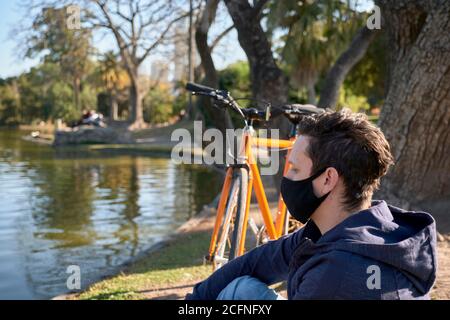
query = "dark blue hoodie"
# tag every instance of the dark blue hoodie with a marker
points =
(385, 241)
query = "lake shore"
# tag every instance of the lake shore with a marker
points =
(153, 141)
(156, 272)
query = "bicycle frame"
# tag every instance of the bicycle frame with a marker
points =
(246, 158)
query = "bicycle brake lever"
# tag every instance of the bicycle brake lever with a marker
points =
(268, 113)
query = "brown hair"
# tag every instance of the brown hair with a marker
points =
(351, 144)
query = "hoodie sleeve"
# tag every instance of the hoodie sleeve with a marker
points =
(269, 263)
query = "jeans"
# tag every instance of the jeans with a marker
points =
(248, 288)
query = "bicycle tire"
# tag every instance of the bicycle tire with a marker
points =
(230, 232)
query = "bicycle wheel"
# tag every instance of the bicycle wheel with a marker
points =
(233, 221)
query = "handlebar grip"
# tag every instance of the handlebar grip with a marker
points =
(304, 108)
(198, 88)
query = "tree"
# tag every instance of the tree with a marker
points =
(267, 79)
(367, 78)
(138, 27)
(159, 104)
(416, 115)
(349, 58)
(9, 103)
(70, 48)
(220, 118)
(115, 79)
(316, 32)
(311, 34)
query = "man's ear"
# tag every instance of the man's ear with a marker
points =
(331, 178)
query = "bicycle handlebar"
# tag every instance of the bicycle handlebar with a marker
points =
(194, 87)
(291, 111)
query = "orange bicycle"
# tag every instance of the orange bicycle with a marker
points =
(242, 177)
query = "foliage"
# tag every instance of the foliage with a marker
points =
(41, 94)
(313, 33)
(357, 103)
(69, 48)
(158, 104)
(9, 105)
(307, 37)
(60, 94)
(367, 78)
(236, 79)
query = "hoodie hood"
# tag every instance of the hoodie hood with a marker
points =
(405, 240)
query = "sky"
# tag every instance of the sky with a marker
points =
(11, 64)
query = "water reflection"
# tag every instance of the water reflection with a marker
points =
(66, 207)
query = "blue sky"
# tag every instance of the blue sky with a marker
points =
(11, 64)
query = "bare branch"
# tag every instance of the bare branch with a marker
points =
(161, 37)
(220, 37)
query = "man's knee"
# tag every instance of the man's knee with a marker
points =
(246, 288)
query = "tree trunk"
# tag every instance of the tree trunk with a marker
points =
(311, 91)
(76, 93)
(336, 76)
(114, 107)
(416, 115)
(267, 79)
(219, 118)
(137, 114)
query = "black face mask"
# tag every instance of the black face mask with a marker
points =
(299, 197)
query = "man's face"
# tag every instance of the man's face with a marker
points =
(300, 163)
(301, 166)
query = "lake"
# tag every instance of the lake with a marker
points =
(96, 210)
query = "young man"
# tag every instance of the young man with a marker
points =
(351, 247)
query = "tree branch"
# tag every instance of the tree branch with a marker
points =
(257, 8)
(220, 37)
(161, 37)
(336, 76)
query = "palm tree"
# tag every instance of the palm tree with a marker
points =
(314, 33)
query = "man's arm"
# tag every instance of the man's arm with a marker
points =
(268, 263)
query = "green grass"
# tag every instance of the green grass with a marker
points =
(177, 262)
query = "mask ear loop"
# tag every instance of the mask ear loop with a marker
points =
(316, 175)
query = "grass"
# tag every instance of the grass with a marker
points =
(179, 261)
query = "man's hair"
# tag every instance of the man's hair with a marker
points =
(351, 144)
